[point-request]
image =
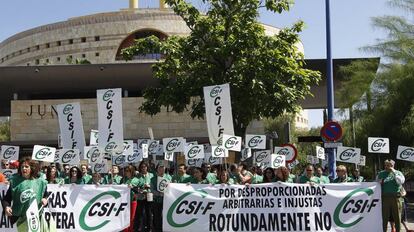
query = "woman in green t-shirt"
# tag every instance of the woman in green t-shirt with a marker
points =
(25, 187)
(52, 176)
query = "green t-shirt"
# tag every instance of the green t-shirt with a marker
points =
(158, 196)
(342, 180)
(24, 191)
(117, 179)
(86, 179)
(357, 179)
(133, 182)
(142, 181)
(181, 179)
(229, 181)
(304, 179)
(58, 180)
(211, 177)
(324, 180)
(390, 185)
(257, 179)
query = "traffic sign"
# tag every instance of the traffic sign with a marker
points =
(293, 152)
(331, 131)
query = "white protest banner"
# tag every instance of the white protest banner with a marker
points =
(348, 155)
(42, 153)
(110, 124)
(169, 156)
(173, 144)
(145, 151)
(209, 159)
(273, 207)
(256, 141)
(405, 153)
(136, 157)
(232, 143)
(32, 217)
(118, 160)
(218, 112)
(362, 161)
(89, 208)
(293, 164)
(194, 162)
(162, 183)
(71, 126)
(9, 152)
(100, 167)
(320, 152)
(219, 151)
(378, 145)
(278, 161)
(8, 173)
(94, 138)
(262, 158)
(194, 152)
(92, 154)
(5, 224)
(142, 141)
(69, 156)
(246, 153)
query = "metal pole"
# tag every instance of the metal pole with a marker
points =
(329, 87)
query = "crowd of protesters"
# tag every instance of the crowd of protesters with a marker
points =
(147, 201)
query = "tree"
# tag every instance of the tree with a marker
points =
(228, 45)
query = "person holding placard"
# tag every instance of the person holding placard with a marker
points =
(283, 175)
(342, 175)
(25, 187)
(158, 184)
(269, 175)
(224, 177)
(86, 178)
(181, 176)
(391, 181)
(116, 179)
(143, 217)
(75, 176)
(308, 177)
(242, 175)
(322, 178)
(256, 177)
(132, 182)
(52, 176)
(198, 176)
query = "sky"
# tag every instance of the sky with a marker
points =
(351, 24)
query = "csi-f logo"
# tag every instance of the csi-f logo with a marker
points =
(93, 154)
(213, 160)
(173, 144)
(134, 156)
(278, 161)
(67, 109)
(193, 152)
(119, 160)
(261, 156)
(108, 95)
(34, 222)
(110, 146)
(351, 206)
(215, 91)
(219, 152)
(162, 185)
(43, 153)
(283, 151)
(192, 162)
(231, 142)
(102, 208)
(9, 152)
(26, 195)
(68, 156)
(191, 208)
(255, 141)
(407, 153)
(378, 144)
(99, 167)
(347, 154)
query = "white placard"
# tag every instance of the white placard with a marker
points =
(71, 126)
(145, 151)
(43, 153)
(232, 143)
(93, 154)
(194, 162)
(194, 152)
(9, 152)
(128, 148)
(118, 160)
(136, 156)
(378, 145)
(8, 173)
(209, 159)
(142, 141)
(405, 153)
(218, 112)
(219, 151)
(110, 122)
(32, 216)
(169, 156)
(100, 167)
(362, 160)
(246, 153)
(69, 156)
(348, 155)
(320, 152)
(173, 144)
(256, 141)
(162, 183)
(94, 138)
(278, 161)
(262, 158)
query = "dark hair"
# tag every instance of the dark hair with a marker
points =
(49, 174)
(221, 172)
(203, 172)
(141, 164)
(265, 180)
(285, 173)
(34, 167)
(78, 173)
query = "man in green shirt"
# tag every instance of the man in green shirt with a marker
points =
(391, 181)
(181, 176)
(86, 178)
(157, 188)
(322, 178)
(308, 177)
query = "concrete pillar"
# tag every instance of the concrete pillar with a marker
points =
(133, 4)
